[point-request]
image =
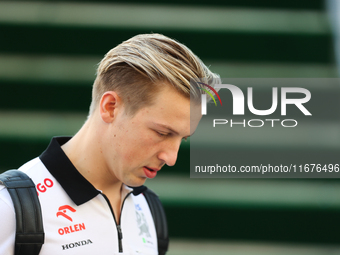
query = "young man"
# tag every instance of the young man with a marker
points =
(139, 114)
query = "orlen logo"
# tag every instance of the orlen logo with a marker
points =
(62, 211)
(48, 183)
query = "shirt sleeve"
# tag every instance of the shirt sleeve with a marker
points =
(7, 223)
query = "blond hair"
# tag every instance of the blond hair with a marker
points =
(137, 68)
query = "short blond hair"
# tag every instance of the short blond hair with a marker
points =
(136, 69)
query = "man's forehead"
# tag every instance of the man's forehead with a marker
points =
(171, 111)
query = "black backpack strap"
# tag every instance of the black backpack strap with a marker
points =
(159, 218)
(29, 226)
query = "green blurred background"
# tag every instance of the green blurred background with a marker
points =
(49, 51)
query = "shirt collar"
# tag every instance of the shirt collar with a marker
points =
(58, 164)
(75, 185)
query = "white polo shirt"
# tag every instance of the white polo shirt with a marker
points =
(77, 218)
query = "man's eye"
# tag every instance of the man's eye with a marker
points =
(161, 134)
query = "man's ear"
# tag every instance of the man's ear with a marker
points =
(108, 105)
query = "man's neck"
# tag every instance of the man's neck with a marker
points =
(84, 152)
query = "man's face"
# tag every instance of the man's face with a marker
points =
(136, 147)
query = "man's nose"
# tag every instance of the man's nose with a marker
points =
(170, 152)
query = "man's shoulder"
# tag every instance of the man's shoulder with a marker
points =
(6, 203)
(19, 189)
(27, 168)
(32, 165)
(36, 170)
(30, 168)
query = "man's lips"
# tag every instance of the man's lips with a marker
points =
(153, 169)
(150, 172)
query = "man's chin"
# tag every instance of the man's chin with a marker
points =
(137, 182)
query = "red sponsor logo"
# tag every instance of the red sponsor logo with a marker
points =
(42, 188)
(63, 210)
(71, 229)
